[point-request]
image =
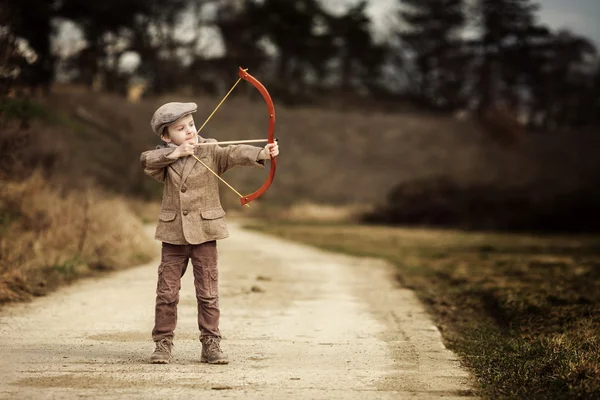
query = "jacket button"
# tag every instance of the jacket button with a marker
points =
(185, 213)
(183, 189)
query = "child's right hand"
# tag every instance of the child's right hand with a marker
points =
(183, 150)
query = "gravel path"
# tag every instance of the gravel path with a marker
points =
(297, 323)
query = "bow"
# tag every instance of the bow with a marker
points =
(243, 73)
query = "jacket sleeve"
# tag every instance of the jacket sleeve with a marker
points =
(154, 162)
(238, 155)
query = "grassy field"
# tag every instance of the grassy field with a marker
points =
(522, 311)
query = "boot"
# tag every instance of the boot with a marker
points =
(162, 352)
(211, 351)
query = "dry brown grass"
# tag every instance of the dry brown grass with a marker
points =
(146, 211)
(50, 237)
(307, 211)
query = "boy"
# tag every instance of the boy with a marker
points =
(191, 220)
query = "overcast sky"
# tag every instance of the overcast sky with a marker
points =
(580, 16)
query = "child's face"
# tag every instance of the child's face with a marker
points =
(183, 130)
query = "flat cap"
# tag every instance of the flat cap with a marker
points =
(168, 113)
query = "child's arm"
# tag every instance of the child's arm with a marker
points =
(244, 155)
(154, 162)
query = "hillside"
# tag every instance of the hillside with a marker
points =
(86, 146)
(335, 157)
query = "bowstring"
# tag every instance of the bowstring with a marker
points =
(218, 105)
(204, 124)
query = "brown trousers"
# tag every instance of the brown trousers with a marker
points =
(174, 262)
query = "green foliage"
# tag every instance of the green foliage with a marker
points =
(7, 219)
(23, 109)
(26, 110)
(69, 269)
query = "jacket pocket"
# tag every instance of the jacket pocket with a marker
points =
(213, 213)
(166, 215)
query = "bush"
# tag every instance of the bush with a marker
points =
(442, 202)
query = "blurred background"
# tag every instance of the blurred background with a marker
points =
(477, 114)
(467, 115)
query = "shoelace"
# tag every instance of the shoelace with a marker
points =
(163, 345)
(213, 344)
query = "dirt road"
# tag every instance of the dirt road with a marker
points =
(297, 323)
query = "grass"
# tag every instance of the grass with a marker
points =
(51, 236)
(523, 311)
(23, 109)
(30, 110)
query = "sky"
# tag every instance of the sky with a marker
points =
(581, 16)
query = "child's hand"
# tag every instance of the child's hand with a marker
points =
(270, 150)
(183, 150)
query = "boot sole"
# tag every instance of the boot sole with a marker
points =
(218, 362)
(159, 361)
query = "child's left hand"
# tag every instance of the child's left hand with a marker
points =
(270, 150)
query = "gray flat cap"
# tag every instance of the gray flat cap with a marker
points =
(168, 113)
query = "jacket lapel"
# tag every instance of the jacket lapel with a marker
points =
(190, 162)
(177, 167)
(187, 167)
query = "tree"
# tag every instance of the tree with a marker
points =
(167, 57)
(241, 31)
(9, 54)
(299, 33)
(105, 23)
(506, 47)
(432, 41)
(562, 82)
(359, 57)
(30, 20)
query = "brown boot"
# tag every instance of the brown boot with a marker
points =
(211, 351)
(162, 352)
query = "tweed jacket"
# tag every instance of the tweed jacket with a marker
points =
(191, 211)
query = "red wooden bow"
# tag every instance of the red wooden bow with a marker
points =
(270, 139)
